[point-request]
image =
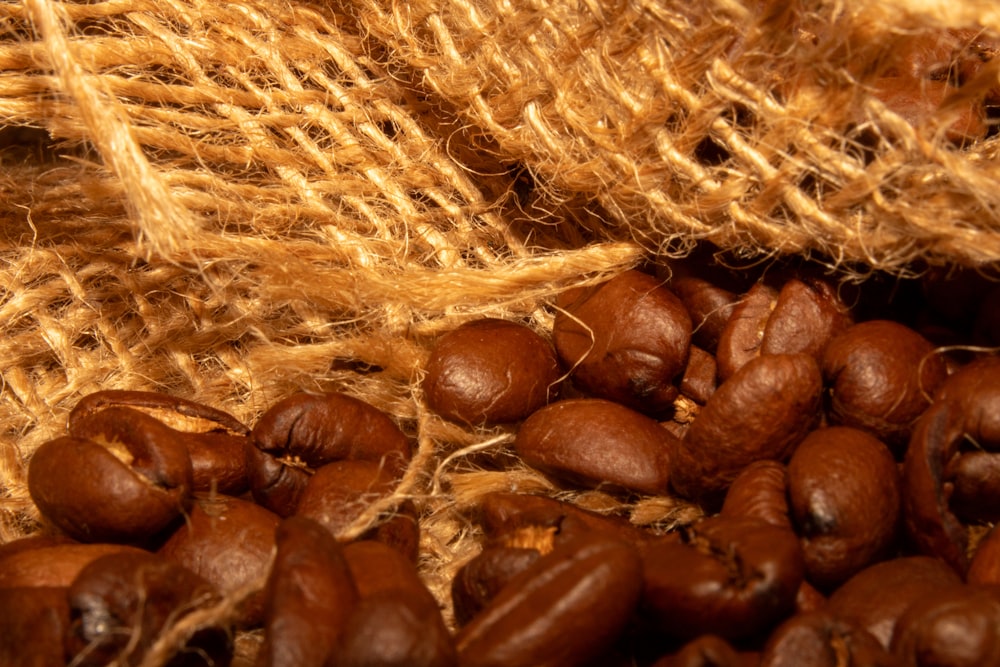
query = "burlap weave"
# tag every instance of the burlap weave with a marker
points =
(232, 201)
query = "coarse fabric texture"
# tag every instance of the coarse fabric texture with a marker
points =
(232, 201)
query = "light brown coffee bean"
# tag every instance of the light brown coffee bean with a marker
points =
(123, 478)
(760, 413)
(490, 371)
(625, 340)
(844, 493)
(593, 442)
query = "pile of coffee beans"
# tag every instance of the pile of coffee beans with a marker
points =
(843, 442)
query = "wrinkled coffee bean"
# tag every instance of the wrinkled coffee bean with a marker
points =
(228, 542)
(967, 406)
(876, 597)
(760, 413)
(806, 316)
(734, 577)
(880, 374)
(123, 477)
(120, 603)
(625, 340)
(569, 606)
(215, 440)
(844, 493)
(490, 371)
(309, 596)
(305, 431)
(957, 627)
(744, 332)
(339, 492)
(397, 620)
(479, 580)
(33, 626)
(593, 442)
(759, 491)
(819, 639)
(54, 565)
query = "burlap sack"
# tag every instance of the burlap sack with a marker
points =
(232, 201)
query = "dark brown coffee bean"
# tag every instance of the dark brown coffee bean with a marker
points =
(229, 542)
(820, 639)
(305, 431)
(741, 339)
(985, 565)
(967, 406)
(844, 493)
(759, 491)
(479, 580)
(339, 492)
(569, 606)
(877, 596)
(808, 599)
(880, 375)
(710, 307)
(734, 577)
(397, 620)
(309, 596)
(700, 376)
(490, 371)
(593, 442)
(957, 627)
(806, 316)
(52, 566)
(123, 477)
(120, 603)
(760, 413)
(33, 626)
(708, 651)
(625, 340)
(401, 531)
(974, 481)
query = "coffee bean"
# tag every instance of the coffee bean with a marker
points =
(340, 491)
(122, 477)
(760, 413)
(33, 626)
(625, 340)
(985, 565)
(744, 332)
(807, 315)
(708, 651)
(479, 580)
(844, 493)
(880, 374)
(700, 376)
(490, 371)
(759, 491)
(55, 565)
(569, 606)
(820, 639)
(734, 577)
(229, 542)
(709, 305)
(593, 442)
(954, 627)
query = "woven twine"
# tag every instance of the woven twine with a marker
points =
(235, 201)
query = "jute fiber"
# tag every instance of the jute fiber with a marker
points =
(233, 201)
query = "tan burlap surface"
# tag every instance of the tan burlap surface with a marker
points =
(232, 201)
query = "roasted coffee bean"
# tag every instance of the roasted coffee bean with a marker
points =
(985, 565)
(305, 431)
(229, 542)
(401, 531)
(569, 606)
(625, 340)
(806, 316)
(957, 627)
(700, 376)
(844, 493)
(215, 440)
(880, 375)
(54, 565)
(876, 597)
(490, 371)
(967, 406)
(397, 620)
(33, 626)
(339, 492)
(744, 332)
(974, 480)
(759, 491)
(760, 413)
(479, 580)
(594, 442)
(710, 307)
(309, 596)
(120, 603)
(708, 651)
(123, 477)
(819, 639)
(734, 577)
(31, 542)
